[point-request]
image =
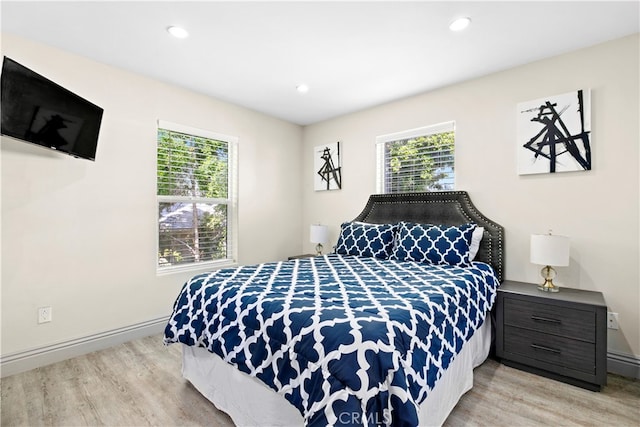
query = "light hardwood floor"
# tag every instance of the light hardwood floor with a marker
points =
(139, 383)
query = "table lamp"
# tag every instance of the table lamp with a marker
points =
(551, 251)
(319, 234)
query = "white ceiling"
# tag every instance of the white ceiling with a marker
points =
(353, 55)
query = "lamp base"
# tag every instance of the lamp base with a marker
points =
(548, 287)
(319, 249)
(548, 273)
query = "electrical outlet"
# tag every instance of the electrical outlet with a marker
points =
(612, 320)
(44, 314)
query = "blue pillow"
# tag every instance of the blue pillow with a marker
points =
(435, 244)
(368, 240)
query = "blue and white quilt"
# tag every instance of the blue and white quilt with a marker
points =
(347, 340)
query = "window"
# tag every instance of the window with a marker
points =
(417, 160)
(196, 185)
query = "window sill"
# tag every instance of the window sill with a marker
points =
(200, 267)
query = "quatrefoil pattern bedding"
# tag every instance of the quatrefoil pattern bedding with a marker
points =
(362, 239)
(437, 244)
(337, 334)
(406, 241)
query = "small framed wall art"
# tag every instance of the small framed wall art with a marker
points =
(327, 167)
(554, 133)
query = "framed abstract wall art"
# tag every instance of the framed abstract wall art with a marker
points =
(327, 167)
(554, 133)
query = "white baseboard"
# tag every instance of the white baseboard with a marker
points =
(22, 361)
(623, 364)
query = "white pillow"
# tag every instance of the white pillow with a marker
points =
(476, 237)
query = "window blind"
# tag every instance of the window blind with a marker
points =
(416, 160)
(196, 190)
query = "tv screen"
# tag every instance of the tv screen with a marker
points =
(39, 111)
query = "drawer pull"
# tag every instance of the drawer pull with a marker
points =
(541, 347)
(544, 319)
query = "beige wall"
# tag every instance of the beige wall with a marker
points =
(80, 236)
(598, 209)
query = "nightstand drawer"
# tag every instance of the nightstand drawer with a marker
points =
(556, 350)
(550, 319)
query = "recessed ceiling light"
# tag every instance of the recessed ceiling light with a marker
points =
(460, 24)
(178, 32)
(302, 88)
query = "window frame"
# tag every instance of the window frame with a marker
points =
(231, 201)
(382, 140)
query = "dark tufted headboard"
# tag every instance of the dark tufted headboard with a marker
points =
(441, 207)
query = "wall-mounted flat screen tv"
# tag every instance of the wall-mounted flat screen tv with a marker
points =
(39, 111)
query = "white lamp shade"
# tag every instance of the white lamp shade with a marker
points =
(319, 234)
(551, 250)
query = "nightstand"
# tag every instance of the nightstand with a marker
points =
(559, 335)
(300, 256)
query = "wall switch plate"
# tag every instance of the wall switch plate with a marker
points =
(44, 314)
(612, 320)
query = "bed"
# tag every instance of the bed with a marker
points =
(384, 331)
